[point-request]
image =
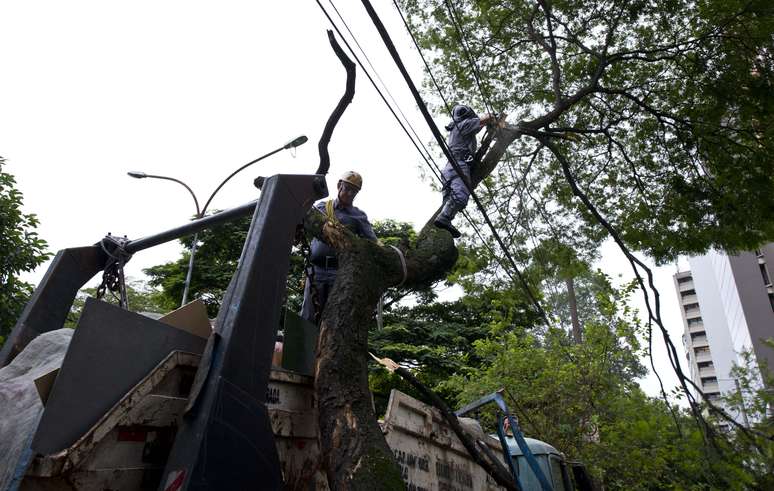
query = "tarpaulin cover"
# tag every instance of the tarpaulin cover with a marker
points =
(20, 406)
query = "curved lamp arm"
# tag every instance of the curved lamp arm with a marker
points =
(143, 175)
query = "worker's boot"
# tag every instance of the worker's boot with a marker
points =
(444, 219)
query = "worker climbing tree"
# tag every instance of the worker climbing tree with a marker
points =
(462, 129)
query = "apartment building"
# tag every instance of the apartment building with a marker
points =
(727, 307)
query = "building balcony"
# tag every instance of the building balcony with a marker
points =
(689, 299)
(710, 387)
(707, 372)
(699, 342)
(696, 328)
(688, 285)
(700, 357)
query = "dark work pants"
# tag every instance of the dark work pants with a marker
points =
(453, 187)
(323, 283)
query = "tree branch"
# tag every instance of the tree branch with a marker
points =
(349, 93)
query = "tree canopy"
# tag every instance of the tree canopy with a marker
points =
(658, 109)
(21, 249)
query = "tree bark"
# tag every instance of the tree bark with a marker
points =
(577, 332)
(355, 454)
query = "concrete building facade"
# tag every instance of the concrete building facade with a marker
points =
(727, 307)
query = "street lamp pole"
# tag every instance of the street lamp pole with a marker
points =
(200, 212)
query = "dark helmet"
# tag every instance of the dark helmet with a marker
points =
(460, 113)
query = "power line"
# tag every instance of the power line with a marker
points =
(439, 138)
(437, 175)
(433, 166)
(386, 89)
(476, 72)
(419, 50)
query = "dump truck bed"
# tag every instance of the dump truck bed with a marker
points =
(128, 447)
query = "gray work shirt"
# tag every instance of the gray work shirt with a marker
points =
(462, 137)
(354, 219)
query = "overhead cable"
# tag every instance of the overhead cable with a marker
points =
(357, 59)
(434, 168)
(457, 23)
(442, 143)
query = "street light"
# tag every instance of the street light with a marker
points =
(200, 212)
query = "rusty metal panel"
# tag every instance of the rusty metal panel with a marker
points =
(430, 455)
(111, 351)
(293, 413)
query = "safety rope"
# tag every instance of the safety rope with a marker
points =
(402, 264)
(380, 305)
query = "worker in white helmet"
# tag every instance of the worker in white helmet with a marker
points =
(325, 263)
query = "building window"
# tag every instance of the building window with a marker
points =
(702, 350)
(699, 335)
(691, 306)
(694, 321)
(765, 275)
(712, 395)
(688, 292)
(705, 364)
(709, 380)
(684, 279)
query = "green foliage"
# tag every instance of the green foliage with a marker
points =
(661, 107)
(584, 400)
(754, 398)
(20, 250)
(216, 259)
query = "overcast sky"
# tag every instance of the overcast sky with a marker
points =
(193, 90)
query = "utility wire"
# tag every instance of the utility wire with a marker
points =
(419, 50)
(357, 59)
(442, 143)
(448, 108)
(454, 15)
(431, 162)
(386, 89)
